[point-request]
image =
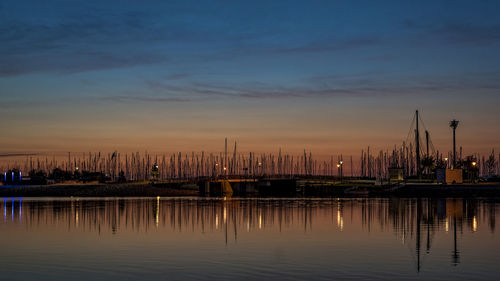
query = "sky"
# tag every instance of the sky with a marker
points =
(327, 76)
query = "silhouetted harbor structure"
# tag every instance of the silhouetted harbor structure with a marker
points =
(408, 162)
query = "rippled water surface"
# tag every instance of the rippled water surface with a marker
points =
(251, 239)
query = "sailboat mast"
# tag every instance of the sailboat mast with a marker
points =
(417, 144)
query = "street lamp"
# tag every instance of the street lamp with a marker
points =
(473, 171)
(339, 166)
(216, 171)
(454, 125)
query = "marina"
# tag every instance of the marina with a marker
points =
(408, 170)
(249, 140)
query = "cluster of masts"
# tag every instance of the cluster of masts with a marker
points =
(135, 166)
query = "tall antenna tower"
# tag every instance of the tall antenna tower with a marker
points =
(454, 125)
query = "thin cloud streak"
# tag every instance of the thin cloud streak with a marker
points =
(456, 32)
(6, 155)
(127, 99)
(337, 88)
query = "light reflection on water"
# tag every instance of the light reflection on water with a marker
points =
(199, 238)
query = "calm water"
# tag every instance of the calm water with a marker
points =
(234, 239)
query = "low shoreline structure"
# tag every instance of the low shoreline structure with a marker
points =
(288, 188)
(97, 190)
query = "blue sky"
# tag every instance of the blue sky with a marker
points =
(294, 73)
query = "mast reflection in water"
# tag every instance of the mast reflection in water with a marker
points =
(249, 238)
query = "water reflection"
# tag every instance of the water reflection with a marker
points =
(15, 206)
(414, 222)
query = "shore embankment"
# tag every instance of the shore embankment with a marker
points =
(172, 189)
(98, 190)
